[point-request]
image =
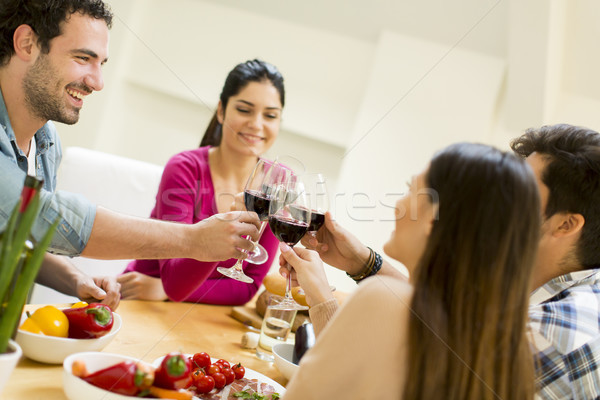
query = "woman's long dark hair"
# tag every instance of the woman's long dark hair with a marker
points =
(238, 78)
(467, 330)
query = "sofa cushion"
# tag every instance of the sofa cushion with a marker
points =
(118, 183)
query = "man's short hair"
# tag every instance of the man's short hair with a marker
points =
(45, 17)
(572, 175)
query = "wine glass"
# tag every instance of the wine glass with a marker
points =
(289, 219)
(256, 198)
(256, 195)
(316, 188)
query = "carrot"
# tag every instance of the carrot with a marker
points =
(79, 369)
(161, 393)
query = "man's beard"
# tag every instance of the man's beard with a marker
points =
(44, 95)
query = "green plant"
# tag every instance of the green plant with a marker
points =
(19, 265)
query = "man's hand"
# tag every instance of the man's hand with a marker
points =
(307, 271)
(102, 289)
(138, 286)
(338, 247)
(58, 273)
(220, 237)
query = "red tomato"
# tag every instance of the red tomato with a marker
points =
(239, 370)
(223, 363)
(229, 375)
(190, 382)
(213, 369)
(220, 380)
(201, 360)
(197, 375)
(205, 384)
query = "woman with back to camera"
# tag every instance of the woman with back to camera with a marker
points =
(467, 231)
(202, 182)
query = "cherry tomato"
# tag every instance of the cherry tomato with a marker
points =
(197, 375)
(223, 363)
(229, 375)
(220, 380)
(213, 369)
(201, 360)
(239, 370)
(205, 384)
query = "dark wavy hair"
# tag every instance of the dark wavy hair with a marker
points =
(244, 73)
(467, 329)
(572, 175)
(45, 17)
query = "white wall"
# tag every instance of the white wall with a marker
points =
(373, 88)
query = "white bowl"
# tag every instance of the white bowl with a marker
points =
(283, 353)
(53, 350)
(76, 388)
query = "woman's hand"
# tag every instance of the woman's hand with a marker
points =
(338, 247)
(307, 271)
(138, 286)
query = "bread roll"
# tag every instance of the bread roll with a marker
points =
(275, 283)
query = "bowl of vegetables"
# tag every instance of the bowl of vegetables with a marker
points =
(103, 376)
(51, 334)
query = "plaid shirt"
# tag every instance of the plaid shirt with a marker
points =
(565, 319)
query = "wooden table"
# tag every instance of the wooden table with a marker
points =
(150, 330)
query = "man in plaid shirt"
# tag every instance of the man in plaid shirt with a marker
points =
(565, 307)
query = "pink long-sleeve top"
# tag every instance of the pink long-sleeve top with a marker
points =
(186, 194)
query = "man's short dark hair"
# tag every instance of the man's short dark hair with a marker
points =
(572, 175)
(45, 17)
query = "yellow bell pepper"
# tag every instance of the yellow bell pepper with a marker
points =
(49, 321)
(31, 326)
(79, 304)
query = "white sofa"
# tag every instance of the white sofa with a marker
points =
(117, 183)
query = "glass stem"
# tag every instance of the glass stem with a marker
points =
(288, 283)
(238, 263)
(263, 225)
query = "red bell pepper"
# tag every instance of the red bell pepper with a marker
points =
(127, 377)
(174, 372)
(93, 321)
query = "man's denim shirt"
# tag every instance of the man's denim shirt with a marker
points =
(77, 214)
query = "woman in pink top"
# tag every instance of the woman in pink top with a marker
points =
(197, 184)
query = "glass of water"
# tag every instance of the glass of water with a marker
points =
(276, 326)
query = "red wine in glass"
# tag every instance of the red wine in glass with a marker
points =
(317, 219)
(257, 202)
(287, 230)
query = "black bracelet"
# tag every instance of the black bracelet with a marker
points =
(378, 264)
(372, 266)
